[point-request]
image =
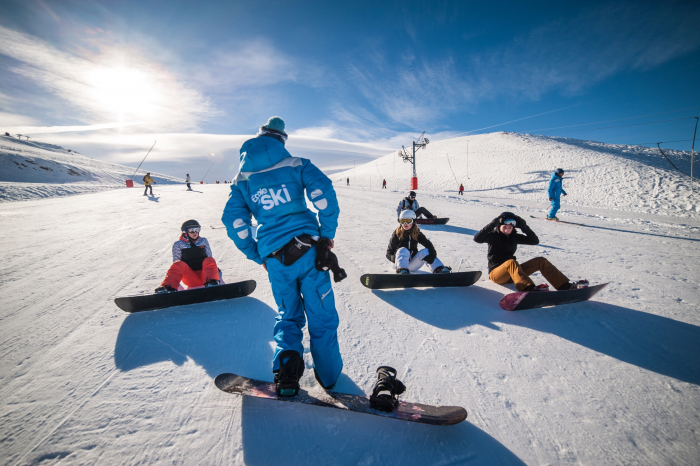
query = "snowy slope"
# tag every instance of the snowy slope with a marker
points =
(31, 169)
(518, 166)
(611, 381)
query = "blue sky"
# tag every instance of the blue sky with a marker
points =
(352, 80)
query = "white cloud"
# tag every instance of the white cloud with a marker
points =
(115, 84)
(15, 120)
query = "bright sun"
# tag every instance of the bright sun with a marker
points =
(127, 93)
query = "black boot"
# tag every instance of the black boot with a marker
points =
(384, 395)
(287, 378)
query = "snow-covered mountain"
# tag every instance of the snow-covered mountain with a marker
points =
(32, 169)
(518, 166)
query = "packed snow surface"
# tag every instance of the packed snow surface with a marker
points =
(32, 170)
(610, 381)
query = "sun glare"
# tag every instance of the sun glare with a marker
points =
(127, 93)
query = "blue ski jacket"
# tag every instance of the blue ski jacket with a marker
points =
(555, 189)
(271, 185)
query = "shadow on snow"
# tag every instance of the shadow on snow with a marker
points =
(658, 344)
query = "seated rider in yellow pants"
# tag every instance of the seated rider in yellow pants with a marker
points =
(503, 268)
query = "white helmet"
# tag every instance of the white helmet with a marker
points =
(407, 214)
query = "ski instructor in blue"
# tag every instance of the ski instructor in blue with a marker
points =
(271, 184)
(554, 190)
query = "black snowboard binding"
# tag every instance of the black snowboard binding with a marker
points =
(289, 373)
(386, 390)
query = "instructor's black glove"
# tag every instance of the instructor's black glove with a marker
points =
(325, 260)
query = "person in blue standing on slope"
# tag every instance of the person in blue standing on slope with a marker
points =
(271, 184)
(554, 190)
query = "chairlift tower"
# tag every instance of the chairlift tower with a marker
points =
(419, 144)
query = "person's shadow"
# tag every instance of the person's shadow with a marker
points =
(450, 229)
(655, 343)
(236, 336)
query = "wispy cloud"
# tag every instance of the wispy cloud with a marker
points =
(116, 83)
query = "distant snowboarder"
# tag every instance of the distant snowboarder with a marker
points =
(193, 263)
(383, 184)
(188, 180)
(403, 248)
(148, 182)
(347, 182)
(503, 268)
(461, 189)
(554, 190)
(410, 203)
(273, 185)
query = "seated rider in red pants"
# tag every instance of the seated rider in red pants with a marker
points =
(193, 263)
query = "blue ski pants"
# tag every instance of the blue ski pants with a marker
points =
(555, 207)
(302, 292)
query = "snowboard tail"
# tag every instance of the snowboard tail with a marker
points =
(432, 221)
(417, 280)
(530, 300)
(182, 298)
(413, 412)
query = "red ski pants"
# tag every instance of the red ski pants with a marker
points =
(180, 271)
(512, 272)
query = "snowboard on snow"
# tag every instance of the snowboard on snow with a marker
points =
(151, 302)
(432, 221)
(414, 412)
(530, 300)
(383, 281)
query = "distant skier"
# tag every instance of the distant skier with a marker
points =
(271, 184)
(410, 203)
(148, 182)
(193, 263)
(383, 184)
(503, 268)
(403, 248)
(347, 182)
(461, 189)
(554, 190)
(188, 180)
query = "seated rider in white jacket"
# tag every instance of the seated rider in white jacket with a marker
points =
(410, 203)
(403, 248)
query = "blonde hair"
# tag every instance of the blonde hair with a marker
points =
(413, 231)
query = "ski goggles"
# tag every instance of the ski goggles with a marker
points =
(194, 230)
(405, 221)
(510, 221)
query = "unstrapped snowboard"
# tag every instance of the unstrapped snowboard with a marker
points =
(380, 281)
(414, 412)
(529, 300)
(151, 302)
(432, 221)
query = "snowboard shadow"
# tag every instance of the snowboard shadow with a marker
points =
(642, 233)
(450, 229)
(312, 435)
(223, 336)
(655, 343)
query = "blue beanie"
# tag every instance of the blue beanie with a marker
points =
(275, 123)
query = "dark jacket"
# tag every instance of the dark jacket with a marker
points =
(502, 247)
(412, 245)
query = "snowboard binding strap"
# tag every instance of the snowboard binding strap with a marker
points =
(290, 371)
(386, 390)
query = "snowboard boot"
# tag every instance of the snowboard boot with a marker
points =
(443, 269)
(385, 393)
(318, 379)
(579, 284)
(165, 289)
(290, 371)
(212, 282)
(403, 271)
(542, 287)
(434, 216)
